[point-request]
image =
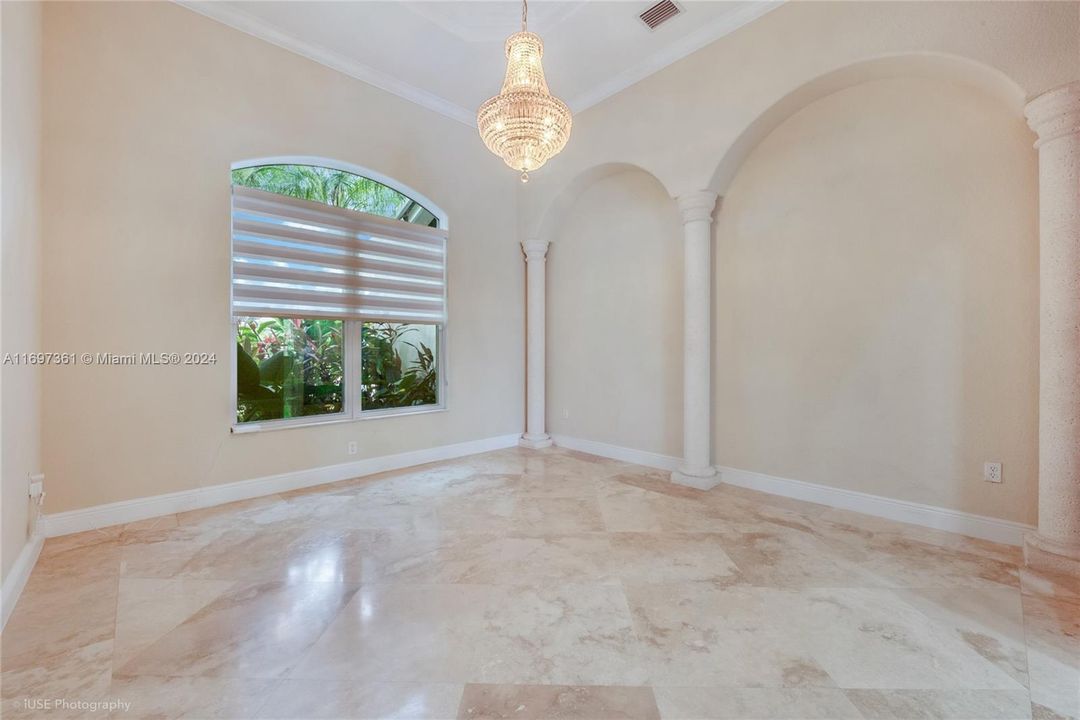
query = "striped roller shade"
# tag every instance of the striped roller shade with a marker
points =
(294, 258)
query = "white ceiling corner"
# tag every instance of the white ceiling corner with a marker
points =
(593, 48)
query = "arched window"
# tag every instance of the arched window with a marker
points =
(338, 294)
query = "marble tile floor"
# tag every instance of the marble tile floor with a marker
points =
(536, 584)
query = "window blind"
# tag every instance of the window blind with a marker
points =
(299, 258)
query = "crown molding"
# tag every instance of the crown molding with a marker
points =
(265, 31)
(662, 58)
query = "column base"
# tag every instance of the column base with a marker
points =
(1042, 553)
(705, 478)
(535, 441)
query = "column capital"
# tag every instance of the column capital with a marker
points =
(1055, 113)
(534, 249)
(696, 206)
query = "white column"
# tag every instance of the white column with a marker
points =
(696, 469)
(535, 262)
(1055, 117)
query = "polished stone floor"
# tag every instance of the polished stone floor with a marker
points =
(550, 584)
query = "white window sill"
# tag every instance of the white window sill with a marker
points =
(338, 418)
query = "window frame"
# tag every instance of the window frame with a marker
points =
(351, 328)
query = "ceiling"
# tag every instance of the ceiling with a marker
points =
(447, 55)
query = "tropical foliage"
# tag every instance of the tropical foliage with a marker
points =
(333, 187)
(388, 382)
(289, 367)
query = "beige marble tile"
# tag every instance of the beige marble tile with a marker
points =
(150, 525)
(552, 485)
(524, 515)
(988, 620)
(149, 608)
(296, 553)
(697, 635)
(401, 633)
(625, 508)
(723, 703)
(670, 558)
(556, 702)
(564, 583)
(1052, 631)
(227, 514)
(644, 503)
(476, 633)
(890, 560)
(873, 638)
(341, 700)
(252, 631)
(56, 614)
(82, 539)
(164, 553)
(433, 485)
(87, 559)
(1053, 585)
(79, 674)
(490, 559)
(563, 634)
(171, 698)
(556, 516)
(935, 704)
(768, 555)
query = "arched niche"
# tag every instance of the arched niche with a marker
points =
(926, 65)
(545, 227)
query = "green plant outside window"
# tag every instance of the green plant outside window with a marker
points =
(399, 365)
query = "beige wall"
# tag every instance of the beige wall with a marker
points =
(20, 147)
(615, 317)
(146, 106)
(876, 298)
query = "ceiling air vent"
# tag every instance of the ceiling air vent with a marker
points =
(660, 13)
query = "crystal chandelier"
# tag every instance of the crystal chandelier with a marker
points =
(524, 124)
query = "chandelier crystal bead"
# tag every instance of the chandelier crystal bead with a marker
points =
(524, 124)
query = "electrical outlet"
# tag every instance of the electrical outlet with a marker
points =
(36, 487)
(566, 414)
(352, 447)
(992, 472)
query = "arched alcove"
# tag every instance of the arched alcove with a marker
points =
(553, 210)
(876, 289)
(615, 312)
(937, 66)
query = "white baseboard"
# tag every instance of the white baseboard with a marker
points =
(955, 521)
(18, 575)
(126, 511)
(617, 452)
(931, 516)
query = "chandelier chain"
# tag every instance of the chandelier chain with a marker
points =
(524, 15)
